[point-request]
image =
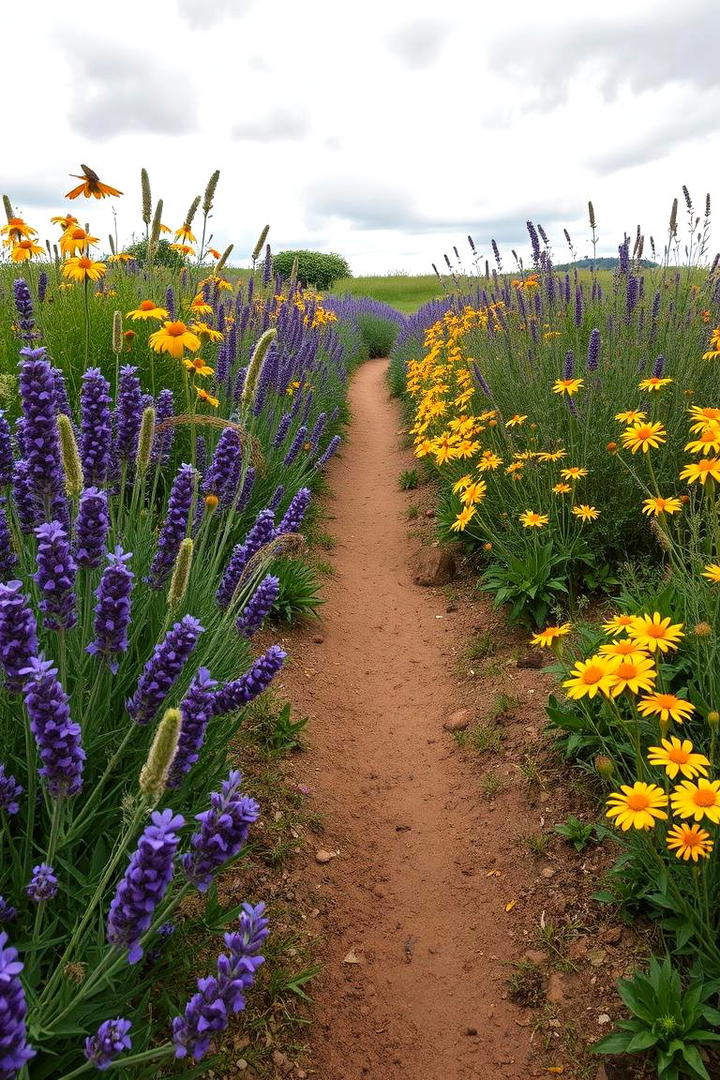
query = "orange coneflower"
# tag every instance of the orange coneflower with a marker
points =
(148, 309)
(185, 234)
(183, 249)
(174, 338)
(204, 396)
(17, 230)
(76, 239)
(25, 250)
(82, 268)
(64, 222)
(215, 253)
(91, 186)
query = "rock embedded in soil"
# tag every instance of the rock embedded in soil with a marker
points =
(323, 856)
(459, 720)
(435, 566)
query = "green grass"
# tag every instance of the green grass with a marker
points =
(404, 292)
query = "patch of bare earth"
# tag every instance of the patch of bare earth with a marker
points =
(456, 933)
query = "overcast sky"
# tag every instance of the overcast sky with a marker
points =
(386, 130)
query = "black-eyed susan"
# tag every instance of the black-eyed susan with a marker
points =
(197, 365)
(689, 842)
(632, 416)
(703, 415)
(567, 386)
(656, 506)
(708, 440)
(635, 674)
(82, 268)
(697, 800)
(64, 221)
(622, 647)
(148, 309)
(573, 472)
(203, 395)
(714, 350)
(121, 257)
(463, 519)
(516, 468)
(461, 484)
(561, 488)
(667, 707)
(199, 305)
(183, 249)
(24, 250)
(530, 519)
(677, 756)
(637, 807)
(185, 234)
(585, 512)
(653, 632)
(205, 332)
(655, 382)
(712, 573)
(644, 436)
(515, 421)
(174, 338)
(76, 239)
(91, 186)
(474, 493)
(706, 468)
(547, 637)
(165, 229)
(552, 455)
(619, 624)
(589, 677)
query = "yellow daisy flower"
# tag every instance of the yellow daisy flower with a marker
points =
(654, 383)
(712, 573)
(666, 706)
(644, 436)
(546, 637)
(653, 632)
(618, 624)
(701, 470)
(698, 801)
(678, 757)
(532, 520)
(634, 675)
(637, 807)
(567, 386)
(174, 338)
(588, 677)
(463, 519)
(657, 505)
(585, 512)
(689, 842)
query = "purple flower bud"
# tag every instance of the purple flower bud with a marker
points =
(96, 427)
(239, 384)
(56, 735)
(534, 242)
(258, 606)
(162, 443)
(42, 286)
(296, 445)
(55, 577)
(7, 914)
(479, 379)
(218, 996)
(632, 295)
(174, 528)
(112, 612)
(196, 709)
(26, 316)
(331, 448)
(222, 477)
(201, 453)
(6, 453)
(624, 256)
(222, 833)
(170, 302)
(569, 365)
(26, 506)
(659, 367)
(61, 394)
(234, 695)
(128, 414)
(91, 527)
(282, 430)
(579, 305)
(110, 1040)
(10, 792)
(163, 669)
(316, 433)
(144, 883)
(593, 356)
(43, 885)
(18, 634)
(40, 436)
(260, 534)
(14, 1048)
(295, 513)
(276, 497)
(8, 558)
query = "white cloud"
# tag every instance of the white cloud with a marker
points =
(279, 123)
(419, 42)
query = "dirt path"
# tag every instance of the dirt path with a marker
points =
(414, 894)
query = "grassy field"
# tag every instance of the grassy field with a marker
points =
(402, 291)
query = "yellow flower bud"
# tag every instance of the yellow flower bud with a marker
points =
(604, 765)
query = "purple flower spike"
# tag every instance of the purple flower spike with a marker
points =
(569, 365)
(91, 527)
(7, 914)
(110, 1040)
(14, 1048)
(659, 367)
(261, 533)
(10, 792)
(163, 668)
(296, 445)
(26, 315)
(6, 453)
(593, 357)
(282, 430)
(42, 286)
(41, 443)
(55, 577)
(26, 507)
(57, 737)
(295, 513)
(43, 885)
(222, 833)
(96, 427)
(258, 606)
(162, 443)
(331, 448)
(144, 883)
(218, 996)
(196, 709)
(112, 612)
(18, 634)
(128, 415)
(235, 695)
(8, 558)
(174, 528)
(222, 477)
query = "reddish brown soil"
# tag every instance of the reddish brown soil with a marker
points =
(418, 942)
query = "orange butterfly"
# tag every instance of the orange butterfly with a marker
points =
(91, 186)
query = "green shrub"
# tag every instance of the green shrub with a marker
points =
(378, 334)
(164, 254)
(313, 267)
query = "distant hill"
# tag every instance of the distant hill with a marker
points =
(601, 264)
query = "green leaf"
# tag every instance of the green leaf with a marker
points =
(642, 1041)
(615, 1043)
